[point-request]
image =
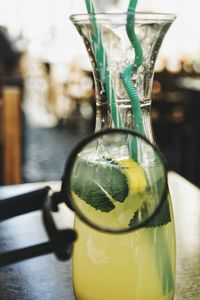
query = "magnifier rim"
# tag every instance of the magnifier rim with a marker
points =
(70, 163)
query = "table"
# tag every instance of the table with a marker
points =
(186, 205)
(45, 278)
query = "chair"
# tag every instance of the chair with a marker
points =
(10, 135)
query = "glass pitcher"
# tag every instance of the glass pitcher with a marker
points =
(139, 265)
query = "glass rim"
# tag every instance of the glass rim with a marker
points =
(141, 16)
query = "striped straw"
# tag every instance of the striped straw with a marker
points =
(126, 75)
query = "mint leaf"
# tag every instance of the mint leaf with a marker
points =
(163, 215)
(96, 183)
(160, 219)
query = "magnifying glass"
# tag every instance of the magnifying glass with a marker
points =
(114, 180)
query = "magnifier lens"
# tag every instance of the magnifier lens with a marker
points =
(117, 181)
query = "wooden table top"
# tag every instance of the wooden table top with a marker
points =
(46, 278)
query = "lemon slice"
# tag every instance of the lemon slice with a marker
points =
(135, 175)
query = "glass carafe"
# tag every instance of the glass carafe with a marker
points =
(139, 265)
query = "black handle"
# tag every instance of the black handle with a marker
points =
(14, 256)
(23, 203)
(61, 241)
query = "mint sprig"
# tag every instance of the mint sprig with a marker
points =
(96, 183)
(161, 218)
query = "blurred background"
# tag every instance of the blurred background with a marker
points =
(47, 101)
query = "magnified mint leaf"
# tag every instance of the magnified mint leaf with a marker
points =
(163, 215)
(160, 219)
(96, 183)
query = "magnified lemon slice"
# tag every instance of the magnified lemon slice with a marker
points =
(135, 175)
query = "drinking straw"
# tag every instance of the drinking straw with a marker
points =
(102, 65)
(163, 263)
(126, 75)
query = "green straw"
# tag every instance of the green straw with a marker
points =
(165, 267)
(126, 75)
(102, 65)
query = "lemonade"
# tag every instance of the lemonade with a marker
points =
(139, 265)
(132, 266)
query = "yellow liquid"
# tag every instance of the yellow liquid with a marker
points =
(132, 266)
(138, 265)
